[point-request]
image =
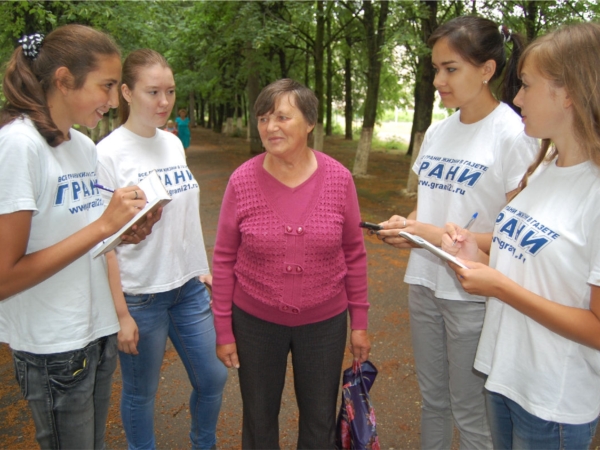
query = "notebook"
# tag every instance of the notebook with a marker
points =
(157, 196)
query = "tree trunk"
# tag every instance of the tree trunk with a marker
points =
(375, 36)
(424, 89)
(282, 63)
(348, 109)
(329, 88)
(531, 10)
(318, 56)
(202, 112)
(239, 111)
(220, 116)
(364, 149)
(307, 66)
(192, 108)
(412, 184)
(115, 121)
(211, 115)
(253, 88)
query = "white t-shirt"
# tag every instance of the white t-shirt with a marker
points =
(466, 169)
(548, 241)
(174, 252)
(74, 306)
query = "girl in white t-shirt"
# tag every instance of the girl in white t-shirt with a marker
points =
(56, 307)
(541, 336)
(162, 278)
(469, 163)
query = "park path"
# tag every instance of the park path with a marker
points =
(395, 394)
(212, 158)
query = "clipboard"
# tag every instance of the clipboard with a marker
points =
(431, 248)
(157, 196)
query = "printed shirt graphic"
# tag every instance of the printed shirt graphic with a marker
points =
(465, 169)
(174, 252)
(548, 241)
(74, 306)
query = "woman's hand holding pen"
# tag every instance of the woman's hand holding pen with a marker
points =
(124, 204)
(479, 278)
(460, 242)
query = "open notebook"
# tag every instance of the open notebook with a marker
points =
(157, 196)
(432, 248)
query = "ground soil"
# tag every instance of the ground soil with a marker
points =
(395, 394)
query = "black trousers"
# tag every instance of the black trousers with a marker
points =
(317, 357)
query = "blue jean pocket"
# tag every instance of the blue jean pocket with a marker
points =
(21, 374)
(139, 301)
(67, 373)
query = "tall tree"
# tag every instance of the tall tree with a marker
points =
(424, 89)
(319, 57)
(374, 27)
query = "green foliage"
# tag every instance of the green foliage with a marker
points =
(213, 47)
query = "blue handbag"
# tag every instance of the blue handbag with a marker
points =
(356, 424)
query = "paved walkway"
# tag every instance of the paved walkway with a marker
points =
(395, 394)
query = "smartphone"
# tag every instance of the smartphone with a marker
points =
(370, 226)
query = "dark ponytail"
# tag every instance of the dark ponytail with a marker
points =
(511, 83)
(478, 40)
(27, 80)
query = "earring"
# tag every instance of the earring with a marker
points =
(485, 82)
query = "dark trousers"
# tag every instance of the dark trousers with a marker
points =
(317, 356)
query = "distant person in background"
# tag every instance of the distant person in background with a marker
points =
(171, 127)
(164, 294)
(469, 163)
(289, 264)
(183, 128)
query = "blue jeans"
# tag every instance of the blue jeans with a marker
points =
(184, 315)
(513, 427)
(69, 393)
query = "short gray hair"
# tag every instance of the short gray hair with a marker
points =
(305, 99)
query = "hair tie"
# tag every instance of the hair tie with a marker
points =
(505, 32)
(31, 45)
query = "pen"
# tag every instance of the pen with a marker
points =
(99, 186)
(468, 225)
(104, 188)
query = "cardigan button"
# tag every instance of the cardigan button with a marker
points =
(288, 229)
(298, 269)
(285, 308)
(288, 268)
(300, 230)
(295, 310)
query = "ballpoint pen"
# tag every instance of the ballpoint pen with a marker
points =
(112, 191)
(104, 188)
(467, 226)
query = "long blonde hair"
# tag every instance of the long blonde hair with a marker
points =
(570, 58)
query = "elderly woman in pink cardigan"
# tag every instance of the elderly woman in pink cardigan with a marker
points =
(289, 264)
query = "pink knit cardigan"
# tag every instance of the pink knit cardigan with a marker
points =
(290, 256)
